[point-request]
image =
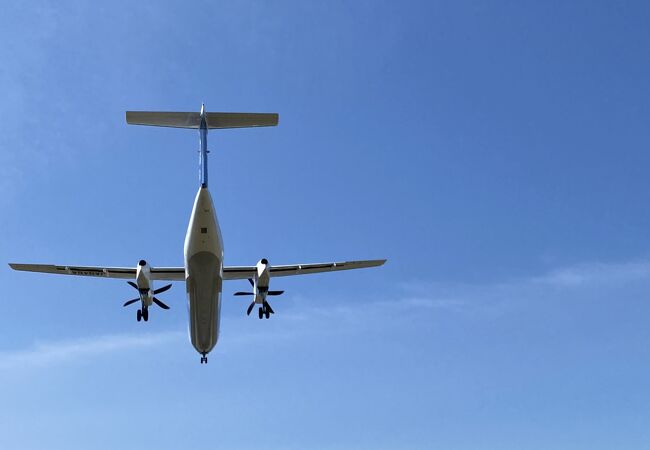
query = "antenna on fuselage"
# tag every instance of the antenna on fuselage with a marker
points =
(203, 121)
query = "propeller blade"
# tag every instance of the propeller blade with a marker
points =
(131, 283)
(275, 293)
(250, 280)
(250, 308)
(162, 289)
(130, 302)
(159, 303)
(244, 293)
(269, 307)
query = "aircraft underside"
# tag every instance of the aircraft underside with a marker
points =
(203, 271)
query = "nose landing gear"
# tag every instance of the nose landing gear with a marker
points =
(204, 358)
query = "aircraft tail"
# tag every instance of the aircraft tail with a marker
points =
(203, 121)
(193, 119)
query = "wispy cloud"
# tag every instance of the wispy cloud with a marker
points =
(491, 298)
(305, 316)
(45, 354)
(596, 274)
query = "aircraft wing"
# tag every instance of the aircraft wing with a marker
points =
(178, 273)
(126, 273)
(243, 272)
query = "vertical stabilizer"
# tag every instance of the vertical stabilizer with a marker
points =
(203, 150)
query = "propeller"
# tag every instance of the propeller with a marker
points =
(130, 302)
(155, 300)
(252, 305)
(250, 280)
(159, 303)
(252, 293)
(162, 289)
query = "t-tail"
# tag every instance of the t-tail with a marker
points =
(202, 121)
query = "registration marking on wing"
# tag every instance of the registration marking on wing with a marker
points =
(87, 272)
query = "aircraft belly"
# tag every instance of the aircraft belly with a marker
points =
(204, 295)
(203, 272)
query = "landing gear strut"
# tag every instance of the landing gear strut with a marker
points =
(204, 359)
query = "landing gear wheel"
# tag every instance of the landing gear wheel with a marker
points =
(260, 312)
(204, 359)
(145, 314)
(267, 313)
(139, 315)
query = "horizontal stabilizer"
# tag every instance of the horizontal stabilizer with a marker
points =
(193, 119)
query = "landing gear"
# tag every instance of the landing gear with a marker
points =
(204, 359)
(142, 314)
(264, 311)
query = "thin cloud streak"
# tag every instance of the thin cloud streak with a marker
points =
(46, 354)
(304, 318)
(596, 274)
(488, 297)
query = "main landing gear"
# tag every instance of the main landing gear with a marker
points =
(264, 310)
(143, 314)
(204, 359)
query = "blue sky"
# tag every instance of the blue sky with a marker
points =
(495, 153)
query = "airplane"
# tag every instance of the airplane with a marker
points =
(203, 270)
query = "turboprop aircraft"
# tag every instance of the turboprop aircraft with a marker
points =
(204, 270)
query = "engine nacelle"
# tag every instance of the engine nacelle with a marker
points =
(261, 280)
(143, 275)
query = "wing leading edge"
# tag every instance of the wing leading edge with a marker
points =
(243, 272)
(125, 273)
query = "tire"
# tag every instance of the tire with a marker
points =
(267, 313)
(145, 314)
(260, 312)
(139, 315)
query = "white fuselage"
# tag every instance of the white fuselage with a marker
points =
(203, 272)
